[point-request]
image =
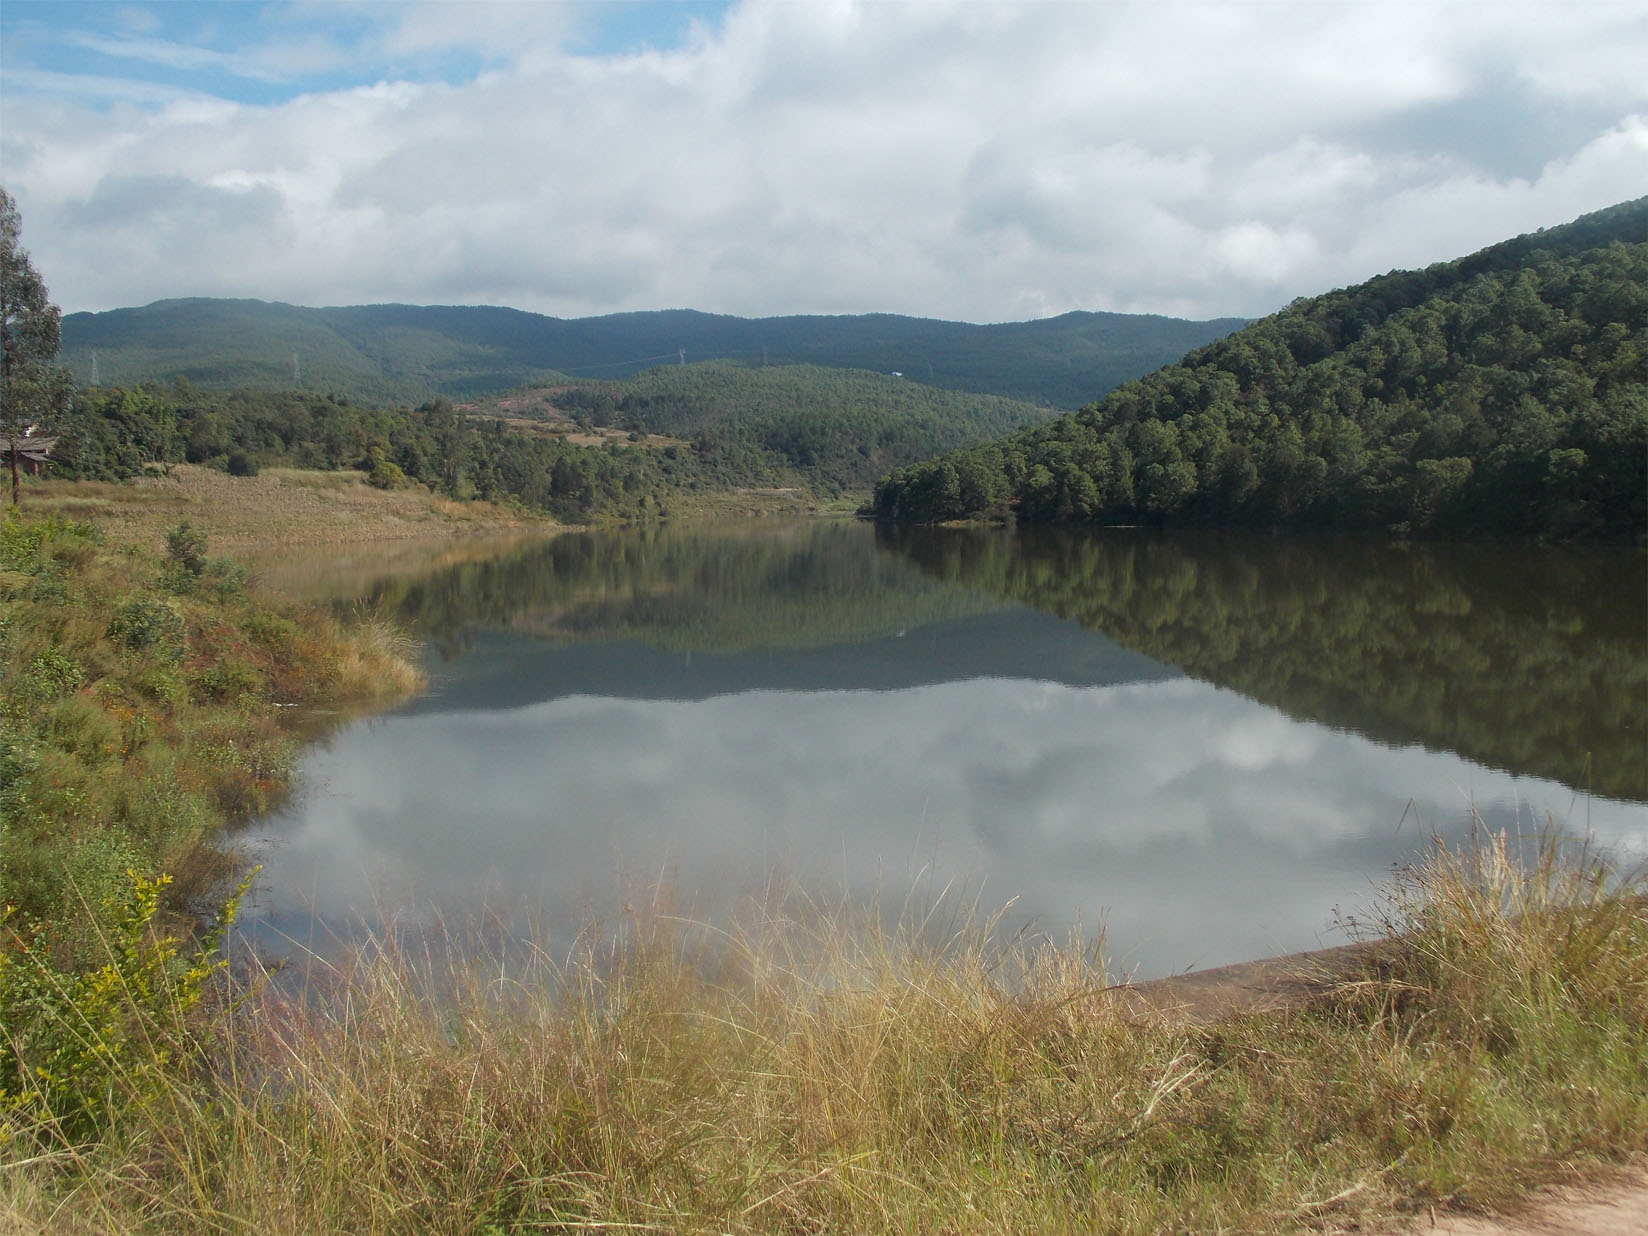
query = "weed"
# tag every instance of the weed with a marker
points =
(136, 713)
(51, 675)
(83, 1046)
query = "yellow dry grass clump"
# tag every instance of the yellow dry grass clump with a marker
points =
(816, 1073)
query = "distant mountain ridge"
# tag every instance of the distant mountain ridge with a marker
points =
(408, 353)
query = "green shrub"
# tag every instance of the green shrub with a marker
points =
(51, 675)
(185, 557)
(387, 474)
(79, 726)
(29, 546)
(143, 624)
(223, 580)
(228, 680)
(272, 631)
(162, 683)
(186, 546)
(17, 762)
(79, 1047)
(20, 544)
(241, 464)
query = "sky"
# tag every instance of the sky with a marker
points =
(968, 160)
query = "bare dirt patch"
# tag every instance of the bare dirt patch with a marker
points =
(1264, 986)
(1615, 1204)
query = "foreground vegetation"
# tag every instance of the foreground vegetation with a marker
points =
(814, 1073)
(1503, 393)
(146, 698)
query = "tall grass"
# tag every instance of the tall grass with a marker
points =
(812, 1072)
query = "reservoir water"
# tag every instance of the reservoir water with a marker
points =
(1211, 746)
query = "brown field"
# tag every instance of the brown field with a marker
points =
(281, 507)
(534, 412)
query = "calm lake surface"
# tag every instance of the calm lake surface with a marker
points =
(1207, 744)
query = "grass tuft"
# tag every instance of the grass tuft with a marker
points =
(812, 1072)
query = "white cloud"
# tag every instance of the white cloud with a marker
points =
(981, 161)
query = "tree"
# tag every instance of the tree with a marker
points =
(31, 388)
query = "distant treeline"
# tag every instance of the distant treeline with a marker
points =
(823, 430)
(1503, 393)
(113, 434)
(839, 427)
(1530, 659)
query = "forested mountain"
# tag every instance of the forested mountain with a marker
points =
(838, 429)
(624, 449)
(1505, 392)
(409, 354)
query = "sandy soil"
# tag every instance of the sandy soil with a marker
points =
(1612, 1205)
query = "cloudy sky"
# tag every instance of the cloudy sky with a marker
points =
(974, 160)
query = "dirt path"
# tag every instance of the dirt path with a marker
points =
(1615, 1205)
(1606, 1203)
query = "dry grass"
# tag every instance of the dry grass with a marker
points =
(280, 506)
(814, 1073)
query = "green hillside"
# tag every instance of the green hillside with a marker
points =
(838, 429)
(408, 354)
(620, 449)
(1503, 393)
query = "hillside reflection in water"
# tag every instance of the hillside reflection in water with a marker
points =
(714, 707)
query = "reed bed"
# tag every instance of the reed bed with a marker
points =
(805, 1072)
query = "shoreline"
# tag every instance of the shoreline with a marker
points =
(853, 1081)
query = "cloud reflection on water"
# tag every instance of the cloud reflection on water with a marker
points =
(1201, 827)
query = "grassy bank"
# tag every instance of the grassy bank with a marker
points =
(147, 697)
(807, 1072)
(812, 1073)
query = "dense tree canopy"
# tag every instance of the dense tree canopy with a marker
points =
(678, 430)
(1506, 392)
(116, 433)
(838, 428)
